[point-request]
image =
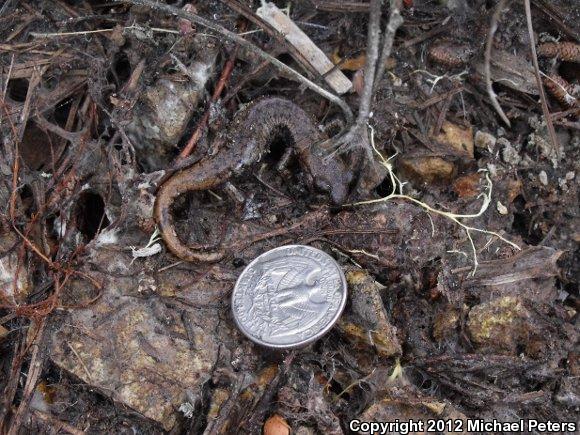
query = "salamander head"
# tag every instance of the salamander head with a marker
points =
(335, 183)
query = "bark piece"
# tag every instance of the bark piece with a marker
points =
(369, 325)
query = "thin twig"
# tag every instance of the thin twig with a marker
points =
(357, 132)
(492, 29)
(226, 73)
(374, 35)
(247, 44)
(88, 32)
(545, 109)
(249, 14)
(374, 70)
(34, 371)
(395, 21)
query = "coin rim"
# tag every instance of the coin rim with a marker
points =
(319, 334)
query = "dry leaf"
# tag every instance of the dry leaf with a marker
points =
(459, 138)
(358, 62)
(276, 425)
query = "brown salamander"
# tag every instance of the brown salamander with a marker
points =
(247, 140)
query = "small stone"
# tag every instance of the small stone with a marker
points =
(485, 141)
(187, 409)
(570, 176)
(368, 324)
(455, 137)
(502, 209)
(467, 186)
(502, 325)
(509, 154)
(428, 169)
(543, 178)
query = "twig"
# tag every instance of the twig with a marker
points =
(545, 109)
(395, 21)
(443, 113)
(357, 131)
(226, 73)
(492, 29)
(34, 371)
(247, 44)
(340, 6)
(374, 70)
(374, 35)
(84, 367)
(249, 14)
(430, 34)
(88, 32)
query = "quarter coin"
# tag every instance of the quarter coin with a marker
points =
(289, 296)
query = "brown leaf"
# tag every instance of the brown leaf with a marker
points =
(276, 425)
(457, 138)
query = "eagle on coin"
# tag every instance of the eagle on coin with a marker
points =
(289, 296)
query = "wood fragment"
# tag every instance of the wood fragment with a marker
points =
(340, 6)
(533, 263)
(314, 55)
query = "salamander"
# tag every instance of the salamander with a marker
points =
(247, 140)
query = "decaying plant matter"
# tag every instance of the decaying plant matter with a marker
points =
(152, 149)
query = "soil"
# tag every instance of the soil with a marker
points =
(459, 236)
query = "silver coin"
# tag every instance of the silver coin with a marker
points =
(289, 296)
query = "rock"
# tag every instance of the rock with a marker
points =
(543, 178)
(428, 169)
(457, 138)
(509, 154)
(134, 348)
(501, 324)
(468, 185)
(452, 143)
(485, 140)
